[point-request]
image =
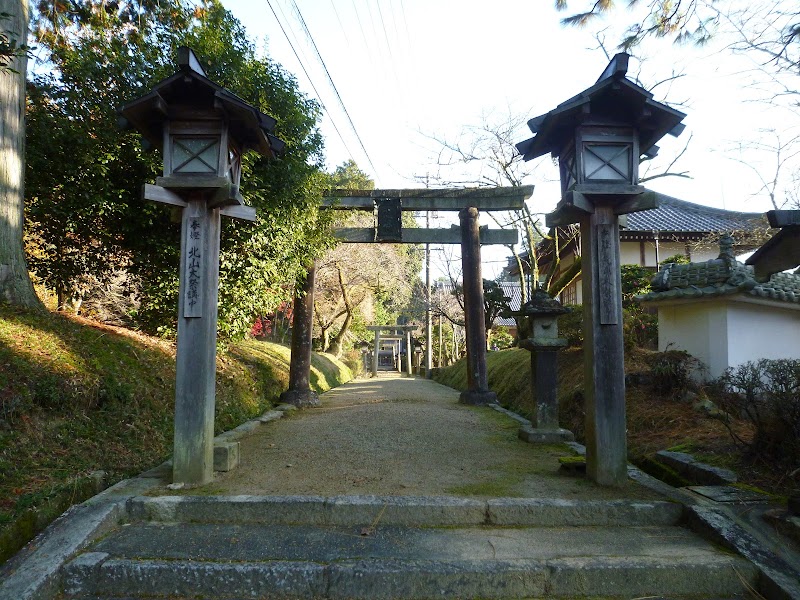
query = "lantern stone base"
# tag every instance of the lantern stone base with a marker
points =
(477, 397)
(226, 456)
(544, 436)
(301, 398)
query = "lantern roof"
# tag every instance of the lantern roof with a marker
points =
(189, 95)
(612, 100)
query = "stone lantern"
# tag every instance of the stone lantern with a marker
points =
(202, 130)
(542, 313)
(599, 137)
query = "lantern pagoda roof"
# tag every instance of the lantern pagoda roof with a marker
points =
(190, 95)
(612, 100)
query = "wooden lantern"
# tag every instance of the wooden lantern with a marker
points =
(203, 130)
(599, 138)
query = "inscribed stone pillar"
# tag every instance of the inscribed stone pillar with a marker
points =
(300, 393)
(375, 351)
(196, 355)
(606, 447)
(477, 380)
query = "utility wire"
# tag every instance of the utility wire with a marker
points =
(389, 47)
(385, 35)
(405, 21)
(333, 85)
(360, 26)
(344, 33)
(311, 81)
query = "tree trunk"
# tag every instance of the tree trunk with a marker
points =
(15, 283)
(338, 340)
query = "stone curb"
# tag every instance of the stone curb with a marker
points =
(402, 510)
(778, 580)
(35, 572)
(694, 470)
(248, 427)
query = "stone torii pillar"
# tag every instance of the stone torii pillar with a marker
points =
(409, 370)
(375, 352)
(477, 391)
(300, 393)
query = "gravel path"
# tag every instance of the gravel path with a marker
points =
(401, 436)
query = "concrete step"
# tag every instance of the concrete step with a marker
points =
(226, 561)
(410, 511)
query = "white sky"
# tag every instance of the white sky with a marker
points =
(409, 69)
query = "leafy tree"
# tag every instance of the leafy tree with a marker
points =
(15, 283)
(356, 283)
(635, 280)
(88, 220)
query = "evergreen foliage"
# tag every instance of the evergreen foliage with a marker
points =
(87, 222)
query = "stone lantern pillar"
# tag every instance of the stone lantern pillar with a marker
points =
(542, 311)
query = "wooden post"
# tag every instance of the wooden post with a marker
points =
(604, 367)
(300, 393)
(477, 380)
(375, 352)
(193, 459)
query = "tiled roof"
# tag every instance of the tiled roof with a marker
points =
(510, 289)
(720, 277)
(679, 215)
(513, 291)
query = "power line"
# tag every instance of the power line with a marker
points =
(333, 85)
(358, 17)
(385, 35)
(302, 66)
(344, 33)
(389, 46)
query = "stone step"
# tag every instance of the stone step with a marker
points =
(403, 510)
(226, 561)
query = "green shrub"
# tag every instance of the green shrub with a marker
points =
(671, 372)
(635, 280)
(767, 394)
(501, 338)
(355, 362)
(639, 328)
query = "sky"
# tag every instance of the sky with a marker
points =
(400, 74)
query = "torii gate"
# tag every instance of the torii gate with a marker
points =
(388, 206)
(393, 329)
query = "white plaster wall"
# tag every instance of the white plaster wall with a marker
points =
(665, 250)
(722, 332)
(704, 254)
(699, 329)
(756, 332)
(629, 253)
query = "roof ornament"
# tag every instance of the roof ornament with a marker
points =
(726, 248)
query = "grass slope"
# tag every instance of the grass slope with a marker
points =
(656, 420)
(77, 397)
